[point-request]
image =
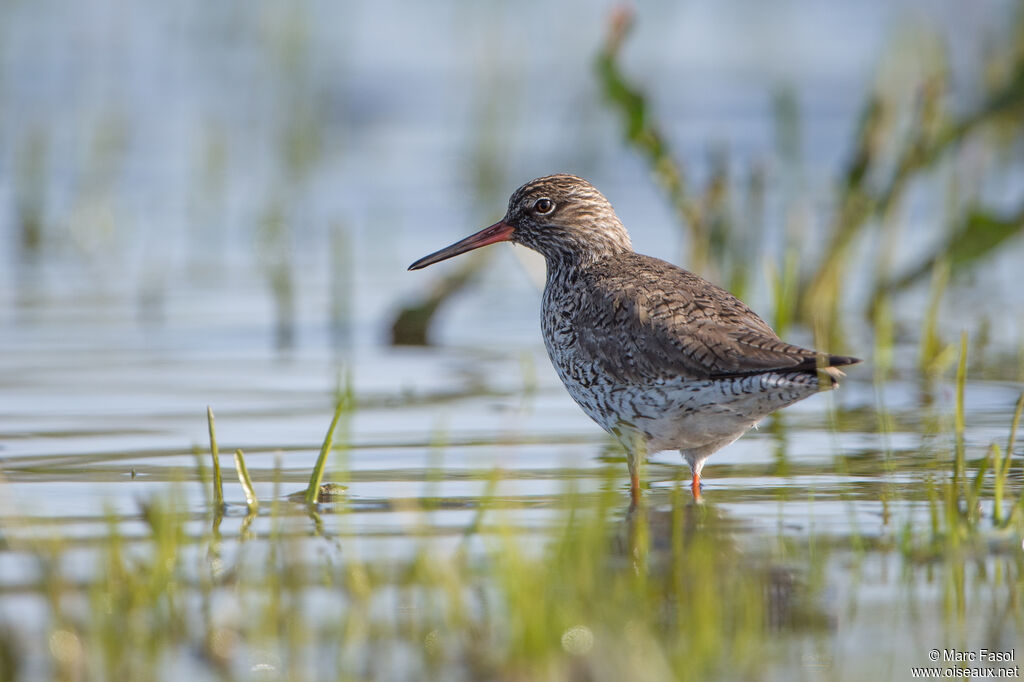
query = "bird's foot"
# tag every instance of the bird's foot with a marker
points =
(696, 487)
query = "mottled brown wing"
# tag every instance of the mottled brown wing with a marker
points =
(642, 319)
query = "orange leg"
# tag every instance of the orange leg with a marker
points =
(696, 488)
(634, 487)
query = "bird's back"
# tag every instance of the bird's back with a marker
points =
(638, 319)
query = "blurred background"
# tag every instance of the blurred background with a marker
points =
(259, 175)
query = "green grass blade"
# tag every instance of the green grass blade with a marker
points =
(218, 483)
(935, 355)
(961, 381)
(1018, 508)
(999, 480)
(974, 492)
(783, 285)
(1013, 432)
(251, 501)
(321, 461)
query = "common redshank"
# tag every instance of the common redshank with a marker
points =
(659, 357)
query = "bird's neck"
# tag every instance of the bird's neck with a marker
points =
(568, 254)
(565, 268)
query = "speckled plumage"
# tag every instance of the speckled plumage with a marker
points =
(656, 355)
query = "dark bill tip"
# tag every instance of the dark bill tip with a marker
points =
(498, 232)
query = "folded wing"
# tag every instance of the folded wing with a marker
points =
(664, 322)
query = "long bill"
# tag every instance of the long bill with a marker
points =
(498, 232)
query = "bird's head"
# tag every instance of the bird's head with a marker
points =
(562, 217)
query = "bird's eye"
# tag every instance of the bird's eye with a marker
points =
(544, 206)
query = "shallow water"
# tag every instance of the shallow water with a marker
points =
(94, 426)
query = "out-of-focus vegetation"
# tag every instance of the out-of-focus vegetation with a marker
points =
(904, 135)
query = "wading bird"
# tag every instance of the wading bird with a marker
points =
(659, 357)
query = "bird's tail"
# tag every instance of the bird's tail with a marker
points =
(829, 372)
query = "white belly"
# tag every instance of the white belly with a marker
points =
(684, 415)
